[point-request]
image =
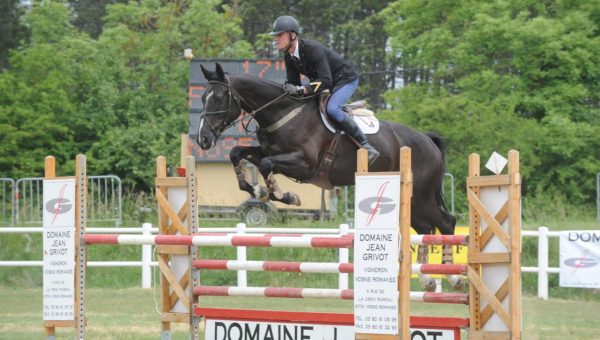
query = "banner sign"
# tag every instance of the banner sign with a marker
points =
(59, 248)
(435, 251)
(376, 221)
(580, 259)
(254, 330)
(238, 329)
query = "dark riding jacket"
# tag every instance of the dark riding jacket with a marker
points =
(319, 64)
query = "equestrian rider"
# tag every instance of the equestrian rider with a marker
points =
(325, 69)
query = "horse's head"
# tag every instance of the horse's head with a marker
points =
(220, 108)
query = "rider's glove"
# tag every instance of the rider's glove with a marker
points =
(293, 90)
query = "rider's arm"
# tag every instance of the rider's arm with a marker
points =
(293, 75)
(323, 80)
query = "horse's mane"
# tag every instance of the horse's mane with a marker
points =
(257, 79)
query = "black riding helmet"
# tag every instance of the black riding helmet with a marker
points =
(285, 23)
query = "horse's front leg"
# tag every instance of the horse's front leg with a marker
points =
(286, 164)
(254, 156)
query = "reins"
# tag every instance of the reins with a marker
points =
(237, 99)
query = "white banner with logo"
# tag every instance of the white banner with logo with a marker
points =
(376, 220)
(59, 248)
(580, 259)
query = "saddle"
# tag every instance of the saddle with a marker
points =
(327, 157)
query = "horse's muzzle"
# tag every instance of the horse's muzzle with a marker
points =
(205, 142)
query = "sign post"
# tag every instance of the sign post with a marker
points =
(382, 209)
(64, 216)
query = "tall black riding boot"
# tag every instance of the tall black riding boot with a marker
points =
(349, 126)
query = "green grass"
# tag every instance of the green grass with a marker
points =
(131, 314)
(122, 312)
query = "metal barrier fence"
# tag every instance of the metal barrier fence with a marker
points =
(7, 201)
(104, 200)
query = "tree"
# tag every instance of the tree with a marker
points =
(120, 99)
(505, 74)
(143, 44)
(12, 31)
(88, 14)
(48, 78)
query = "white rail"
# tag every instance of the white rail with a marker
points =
(146, 262)
(543, 235)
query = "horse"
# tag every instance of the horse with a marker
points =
(294, 142)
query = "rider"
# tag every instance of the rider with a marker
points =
(326, 70)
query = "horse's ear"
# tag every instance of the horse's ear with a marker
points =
(207, 73)
(220, 72)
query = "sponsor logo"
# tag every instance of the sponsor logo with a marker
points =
(60, 205)
(376, 205)
(580, 262)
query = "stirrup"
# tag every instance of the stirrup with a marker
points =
(373, 156)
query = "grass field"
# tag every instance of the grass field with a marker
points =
(131, 314)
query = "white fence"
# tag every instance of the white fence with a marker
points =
(542, 234)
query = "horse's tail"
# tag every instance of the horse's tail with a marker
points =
(440, 142)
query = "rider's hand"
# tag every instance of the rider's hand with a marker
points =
(293, 90)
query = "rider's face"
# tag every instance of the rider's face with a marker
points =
(282, 40)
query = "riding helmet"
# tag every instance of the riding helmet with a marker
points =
(285, 23)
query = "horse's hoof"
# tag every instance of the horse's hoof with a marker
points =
(292, 199)
(427, 283)
(261, 193)
(456, 282)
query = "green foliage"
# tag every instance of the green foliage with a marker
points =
(494, 76)
(487, 75)
(12, 30)
(120, 99)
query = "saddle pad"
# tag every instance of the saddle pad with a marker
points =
(363, 112)
(368, 125)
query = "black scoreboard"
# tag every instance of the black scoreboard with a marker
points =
(272, 69)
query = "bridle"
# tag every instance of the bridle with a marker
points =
(225, 113)
(237, 99)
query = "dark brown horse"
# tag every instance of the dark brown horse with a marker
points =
(293, 141)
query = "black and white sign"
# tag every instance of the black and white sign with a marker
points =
(376, 222)
(580, 259)
(236, 329)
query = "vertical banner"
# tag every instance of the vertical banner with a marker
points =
(59, 248)
(580, 259)
(376, 220)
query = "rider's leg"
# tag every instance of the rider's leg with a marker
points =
(338, 98)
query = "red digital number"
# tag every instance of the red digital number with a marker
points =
(192, 93)
(267, 65)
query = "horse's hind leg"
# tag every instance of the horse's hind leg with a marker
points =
(425, 281)
(446, 227)
(254, 156)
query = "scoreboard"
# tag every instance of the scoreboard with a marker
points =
(271, 69)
